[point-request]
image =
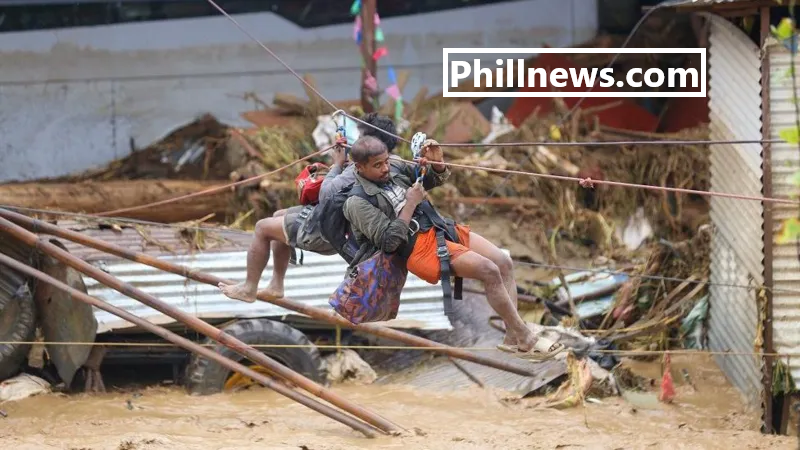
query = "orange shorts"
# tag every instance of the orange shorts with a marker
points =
(423, 261)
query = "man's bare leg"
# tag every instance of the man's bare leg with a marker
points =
(267, 230)
(474, 266)
(483, 247)
(280, 264)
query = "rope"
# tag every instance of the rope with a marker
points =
(216, 189)
(589, 183)
(618, 143)
(400, 347)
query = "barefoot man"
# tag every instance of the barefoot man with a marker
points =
(295, 227)
(401, 200)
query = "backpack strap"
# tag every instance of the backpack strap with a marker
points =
(366, 248)
(445, 230)
(451, 227)
(444, 267)
(359, 191)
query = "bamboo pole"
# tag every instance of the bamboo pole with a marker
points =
(310, 311)
(192, 347)
(199, 326)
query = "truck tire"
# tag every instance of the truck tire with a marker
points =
(205, 377)
(17, 322)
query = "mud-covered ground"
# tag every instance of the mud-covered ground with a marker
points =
(161, 417)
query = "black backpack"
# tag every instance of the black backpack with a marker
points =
(334, 227)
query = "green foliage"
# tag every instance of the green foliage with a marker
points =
(785, 32)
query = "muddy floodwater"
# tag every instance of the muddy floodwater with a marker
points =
(158, 417)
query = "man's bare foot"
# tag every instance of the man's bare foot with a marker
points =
(241, 291)
(271, 292)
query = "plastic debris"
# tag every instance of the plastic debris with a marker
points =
(499, 126)
(22, 386)
(325, 133)
(348, 366)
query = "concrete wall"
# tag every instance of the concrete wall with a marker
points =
(73, 99)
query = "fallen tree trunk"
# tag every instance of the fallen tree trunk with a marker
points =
(94, 197)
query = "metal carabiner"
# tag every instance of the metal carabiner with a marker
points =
(415, 230)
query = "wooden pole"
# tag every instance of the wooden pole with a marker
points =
(368, 9)
(192, 347)
(310, 311)
(198, 325)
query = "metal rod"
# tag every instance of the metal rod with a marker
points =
(320, 314)
(193, 347)
(199, 326)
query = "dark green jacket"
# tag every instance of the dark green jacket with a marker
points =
(380, 226)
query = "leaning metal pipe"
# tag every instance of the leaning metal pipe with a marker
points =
(190, 346)
(39, 226)
(199, 326)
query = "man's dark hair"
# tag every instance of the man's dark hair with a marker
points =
(382, 122)
(365, 147)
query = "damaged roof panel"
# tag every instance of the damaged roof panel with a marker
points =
(311, 283)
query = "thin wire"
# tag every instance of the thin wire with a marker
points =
(400, 347)
(614, 59)
(580, 143)
(619, 143)
(261, 44)
(656, 277)
(215, 189)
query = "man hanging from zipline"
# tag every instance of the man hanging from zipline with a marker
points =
(387, 211)
(298, 227)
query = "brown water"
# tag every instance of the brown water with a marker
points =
(167, 418)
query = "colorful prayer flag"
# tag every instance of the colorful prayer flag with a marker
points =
(380, 53)
(393, 91)
(355, 8)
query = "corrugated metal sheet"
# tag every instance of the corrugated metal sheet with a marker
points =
(311, 283)
(785, 162)
(737, 246)
(152, 240)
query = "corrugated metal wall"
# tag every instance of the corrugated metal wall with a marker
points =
(785, 162)
(737, 246)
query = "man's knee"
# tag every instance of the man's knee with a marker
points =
(505, 263)
(489, 271)
(279, 213)
(269, 228)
